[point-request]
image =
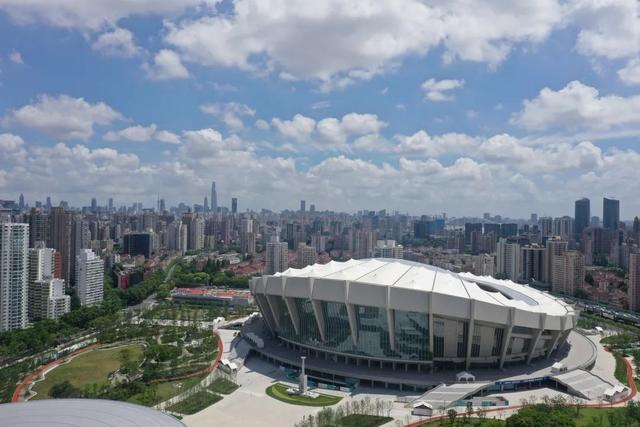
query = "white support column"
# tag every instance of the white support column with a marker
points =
(351, 314)
(266, 312)
(317, 313)
(507, 337)
(563, 324)
(274, 311)
(353, 322)
(293, 313)
(472, 315)
(556, 337)
(536, 337)
(430, 316)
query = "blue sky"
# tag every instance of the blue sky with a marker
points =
(420, 107)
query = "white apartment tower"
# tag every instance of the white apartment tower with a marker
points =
(47, 299)
(306, 255)
(14, 274)
(508, 259)
(277, 257)
(89, 277)
(388, 249)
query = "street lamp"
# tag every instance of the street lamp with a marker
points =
(302, 388)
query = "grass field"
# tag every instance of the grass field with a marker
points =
(92, 367)
(169, 389)
(195, 403)
(621, 368)
(279, 392)
(223, 386)
(460, 423)
(356, 420)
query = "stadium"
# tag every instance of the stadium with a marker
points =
(410, 317)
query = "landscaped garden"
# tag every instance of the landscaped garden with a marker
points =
(195, 403)
(89, 369)
(279, 392)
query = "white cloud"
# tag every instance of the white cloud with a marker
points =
(424, 144)
(167, 137)
(630, 74)
(337, 131)
(10, 142)
(117, 42)
(608, 28)
(440, 90)
(16, 57)
(299, 128)
(90, 15)
(132, 133)
(577, 106)
(337, 43)
(262, 125)
(62, 117)
(229, 113)
(166, 65)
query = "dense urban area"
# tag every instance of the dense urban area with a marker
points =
(143, 301)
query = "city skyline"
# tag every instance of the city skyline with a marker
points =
(408, 113)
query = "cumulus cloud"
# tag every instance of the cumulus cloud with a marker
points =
(62, 117)
(338, 43)
(229, 113)
(117, 42)
(167, 137)
(577, 106)
(136, 133)
(166, 65)
(90, 15)
(630, 74)
(10, 142)
(299, 128)
(337, 131)
(440, 90)
(424, 144)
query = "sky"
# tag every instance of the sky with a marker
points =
(422, 107)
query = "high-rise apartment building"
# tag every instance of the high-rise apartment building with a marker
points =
(14, 275)
(303, 206)
(532, 261)
(546, 226)
(38, 227)
(610, 213)
(554, 246)
(140, 243)
(60, 235)
(388, 249)
(247, 236)
(563, 227)
(634, 281)
(582, 217)
(306, 255)
(47, 299)
(277, 256)
(508, 259)
(234, 205)
(568, 272)
(89, 277)
(80, 239)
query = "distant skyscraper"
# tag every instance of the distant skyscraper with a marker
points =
(38, 227)
(94, 205)
(234, 205)
(80, 239)
(110, 204)
(89, 277)
(206, 204)
(306, 255)
(508, 259)
(312, 208)
(582, 217)
(21, 202)
(610, 213)
(14, 272)
(48, 205)
(214, 197)
(162, 206)
(303, 206)
(533, 219)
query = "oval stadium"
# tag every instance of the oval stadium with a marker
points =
(409, 316)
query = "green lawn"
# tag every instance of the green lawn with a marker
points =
(92, 367)
(195, 403)
(356, 420)
(459, 423)
(223, 386)
(169, 389)
(279, 392)
(621, 368)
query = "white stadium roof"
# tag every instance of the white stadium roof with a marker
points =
(399, 273)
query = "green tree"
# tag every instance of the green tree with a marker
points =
(64, 390)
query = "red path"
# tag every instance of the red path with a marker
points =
(630, 381)
(35, 374)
